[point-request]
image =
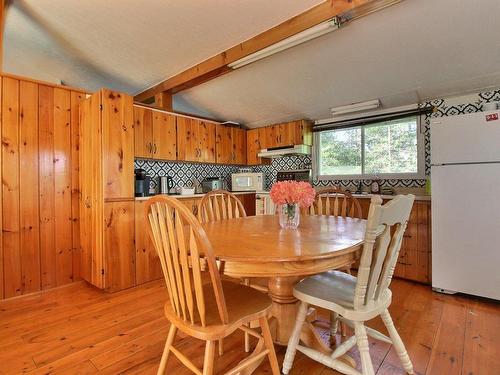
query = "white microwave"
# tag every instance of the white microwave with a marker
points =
(247, 182)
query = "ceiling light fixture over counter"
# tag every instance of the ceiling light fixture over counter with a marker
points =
(355, 107)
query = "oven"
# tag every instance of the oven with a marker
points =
(295, 175)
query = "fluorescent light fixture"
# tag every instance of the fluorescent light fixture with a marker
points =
(294, 40)
(355, 107)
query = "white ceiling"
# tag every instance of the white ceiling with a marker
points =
(129, 45)
(416, 50)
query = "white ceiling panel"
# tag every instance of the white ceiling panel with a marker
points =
(410, 51)
(416, 50)
(128, 44)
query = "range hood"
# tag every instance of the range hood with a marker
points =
(278, 152)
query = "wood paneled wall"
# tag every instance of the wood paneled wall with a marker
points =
(39, 194)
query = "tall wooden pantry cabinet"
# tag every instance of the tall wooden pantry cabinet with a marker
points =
(107, 190)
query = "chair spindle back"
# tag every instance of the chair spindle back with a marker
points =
(182, 246)
(336, 202)
(380, 254)
(220, 205)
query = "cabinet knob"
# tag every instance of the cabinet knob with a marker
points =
(154, 151)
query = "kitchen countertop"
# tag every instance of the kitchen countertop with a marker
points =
(417, 197)
(361, 196)
(367, 196)
(191, 195)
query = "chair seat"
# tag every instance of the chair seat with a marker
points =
(244, 304)
(334, 290)
(331, 286)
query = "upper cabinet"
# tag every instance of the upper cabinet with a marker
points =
(256, 141)
(224, 144)
(143, 130)
(289, 134)
(195, 140)
(231, 144)
(166, 136)
(206, 132)
(239, 137)
(280, 135)
(155, 134)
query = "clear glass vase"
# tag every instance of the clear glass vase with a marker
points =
(289, 215)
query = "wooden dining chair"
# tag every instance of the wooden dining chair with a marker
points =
(336, 202)
(356, 300)
(220, 205)
(223, 205)
(210, 310)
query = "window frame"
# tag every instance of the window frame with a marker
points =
(420, 174)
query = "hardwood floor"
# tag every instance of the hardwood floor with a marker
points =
(80, 330)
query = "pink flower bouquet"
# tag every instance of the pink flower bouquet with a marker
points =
(289, 196)
(293, 192)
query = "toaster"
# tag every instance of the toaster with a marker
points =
(211, 183)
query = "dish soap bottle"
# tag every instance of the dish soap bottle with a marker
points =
(428, 185)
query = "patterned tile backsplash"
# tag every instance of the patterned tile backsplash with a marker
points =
(184, 173)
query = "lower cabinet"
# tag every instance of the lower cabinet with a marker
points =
(191, 204)
(414, 261)
(118, 252)
(147, 263)
(128, 254)
(248, 201)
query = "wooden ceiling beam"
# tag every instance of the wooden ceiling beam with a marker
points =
(218, 65)
(163, 100)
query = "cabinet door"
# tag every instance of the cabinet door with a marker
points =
(119, 254)
(164, 136)
(224, 144)
(248, 201)
(413, 262)
(301, 132)
(90, 184)
(191, 204)
(187, 139)
(256, 141)
(253, 147)
(143, 132)
(272, 136)
(147, 262)
(287, 133)
(206, 131)
(239, 140)
(117, 144)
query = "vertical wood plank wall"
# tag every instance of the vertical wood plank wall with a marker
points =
(40, 244)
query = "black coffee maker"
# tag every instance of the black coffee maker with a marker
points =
(142, 182)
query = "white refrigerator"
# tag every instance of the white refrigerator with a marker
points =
(465, 175)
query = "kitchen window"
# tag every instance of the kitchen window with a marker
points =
(386, 149)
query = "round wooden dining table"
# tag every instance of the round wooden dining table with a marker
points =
(257, 247)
